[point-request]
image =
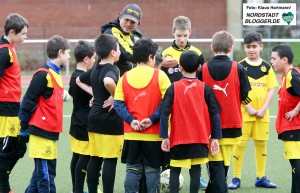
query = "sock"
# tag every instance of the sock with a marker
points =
(195, 172)
(238, 158)
(260, 157)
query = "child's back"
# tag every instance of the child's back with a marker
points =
(230, 85)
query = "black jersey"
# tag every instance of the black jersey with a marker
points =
(81, 108)
(101, 120)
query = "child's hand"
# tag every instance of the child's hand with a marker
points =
(251, 111)
(165, 145)
(168, 63)
(135, 125)
(291, 114)
(109, 103)
(261, 113)
(145, 123)
(214, 146)
(91, 102)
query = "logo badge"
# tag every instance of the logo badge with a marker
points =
(171, 70)
(288, 17)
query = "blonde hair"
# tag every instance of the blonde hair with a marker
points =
(182, 23)
(222, 41)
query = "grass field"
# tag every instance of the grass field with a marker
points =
(278, 169)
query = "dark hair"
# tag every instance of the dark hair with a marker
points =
(189, 61)
(253, 37)
(56, 43)
(104, 44)
(83, 49)
(222, 41)
(284, 50)
(16, 22)
(158, 57)
(142, 49)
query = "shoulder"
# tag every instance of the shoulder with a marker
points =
(137, 33)
(168, 49)
(265, 63)
(107, 27)
(243, 61)
(162, 74)
(295, 73)
(197, 50)
(40, 75)
(240, 66)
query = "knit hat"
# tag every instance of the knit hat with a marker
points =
(132, 12)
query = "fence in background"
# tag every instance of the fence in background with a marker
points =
(268, 41)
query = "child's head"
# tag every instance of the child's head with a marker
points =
(253, 45)
(181, 30)
(85, 52)
(130, 17)
(58, 48)
(222, 42)
(15, 28)
(189, 61)
(281, 56)
(106, 46)
(144, 51)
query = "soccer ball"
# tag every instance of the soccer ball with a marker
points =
(66, 95)
(165, 180)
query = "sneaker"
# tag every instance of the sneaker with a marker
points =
(203, 184)
(234, 184)
(264, 183)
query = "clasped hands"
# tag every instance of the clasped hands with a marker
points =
(141, 125)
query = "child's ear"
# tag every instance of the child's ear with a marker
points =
(230, 49)
(212, 48)
(60, 52)
(151, 58)
(285, 60)
(12, 32)
(85, 59)
(261, 46)
(113, 53)
(180, 67)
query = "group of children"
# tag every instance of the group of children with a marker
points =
(196, 115)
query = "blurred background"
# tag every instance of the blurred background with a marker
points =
(81, 19)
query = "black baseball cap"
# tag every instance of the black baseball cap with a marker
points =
(132, 12)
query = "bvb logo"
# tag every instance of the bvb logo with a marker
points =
(13, 128)
(263, 69)
(48, 149)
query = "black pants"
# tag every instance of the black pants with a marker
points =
(217, 177)
(78, 171)
(10, 152)
(295, 163)
(195, 172)
(108, 174)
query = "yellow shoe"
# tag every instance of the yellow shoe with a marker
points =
(99, 191)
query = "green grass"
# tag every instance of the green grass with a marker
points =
(278, 169)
